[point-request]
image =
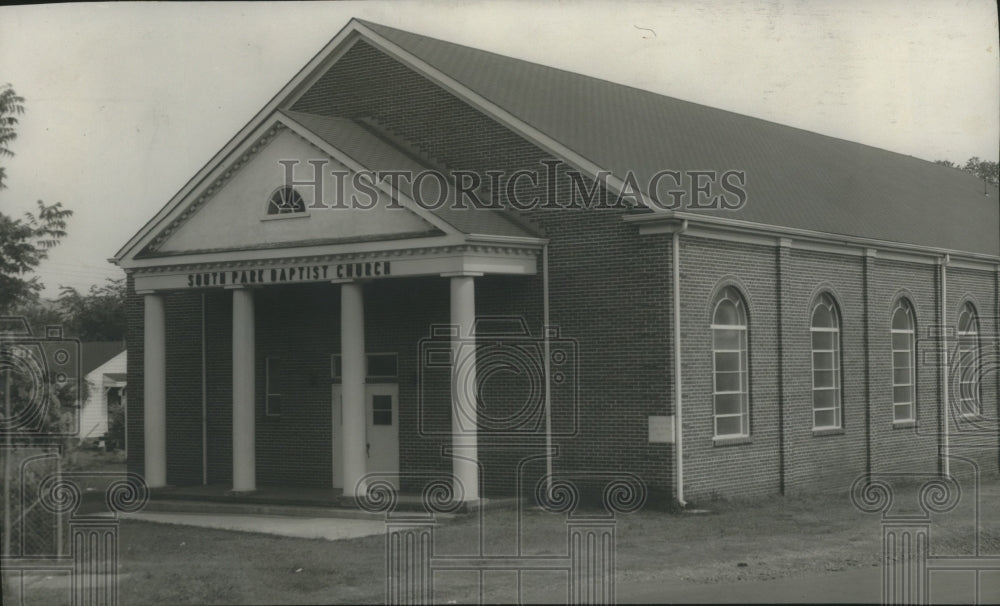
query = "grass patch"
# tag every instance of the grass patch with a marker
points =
(737, 540)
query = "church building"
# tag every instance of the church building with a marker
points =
(422, 260)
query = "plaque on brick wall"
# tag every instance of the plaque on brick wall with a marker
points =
(661, 429)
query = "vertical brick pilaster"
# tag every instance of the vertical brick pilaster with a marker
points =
(867, 323)
(780, 287)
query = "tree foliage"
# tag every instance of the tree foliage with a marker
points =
(984, 169)
(98, 315)
(24, 242)
(11, 106)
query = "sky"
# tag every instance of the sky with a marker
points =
(126, 101)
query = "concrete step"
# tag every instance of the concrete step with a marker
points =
(180, 505)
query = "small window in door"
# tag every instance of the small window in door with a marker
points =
(381, 410)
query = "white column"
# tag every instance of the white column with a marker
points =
(464, 420)
(155, 391)
(244, 412)
(354, 453)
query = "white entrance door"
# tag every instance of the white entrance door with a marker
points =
(381, 431)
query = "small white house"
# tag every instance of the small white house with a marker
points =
(103, 365)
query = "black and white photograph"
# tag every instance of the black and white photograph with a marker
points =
(500, 302)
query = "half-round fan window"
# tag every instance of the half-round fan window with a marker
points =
(285, 200)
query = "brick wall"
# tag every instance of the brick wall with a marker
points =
(610, 298)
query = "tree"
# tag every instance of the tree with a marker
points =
(984, 169)
(98, 315)
(11, 106)
(25, 242)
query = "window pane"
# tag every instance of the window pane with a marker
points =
(273, 405)
(903, 412)
(727, 361)
(727, 313)
(381, 365)
(823, 360)
(901, 376)
(901, 394)
(727, 381)
(823, 378)
(824, 398)
(823, 340)
(901, 359)
(822, 318)
(728, 403)
(901, 340)
(727, 338)
(966, 390)
(825, 418)
(900, 319)
(381, 410)
(726, 426)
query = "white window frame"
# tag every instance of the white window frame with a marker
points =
(732, 295)
(827, 300)
(269, 216)
(968, 364)
(903, 305)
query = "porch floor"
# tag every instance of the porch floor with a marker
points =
(277, 499)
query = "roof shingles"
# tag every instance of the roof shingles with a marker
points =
(794, 178)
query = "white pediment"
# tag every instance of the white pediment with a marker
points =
(235, 216)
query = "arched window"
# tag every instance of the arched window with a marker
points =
(285, 200)
(730, 377)
(825, 331)
(904, 377)
(968, 361)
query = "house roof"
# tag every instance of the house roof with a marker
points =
(794, 178)
(95, 353)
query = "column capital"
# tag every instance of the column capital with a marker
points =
(149, 292)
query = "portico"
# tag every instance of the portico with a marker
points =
(352, 455)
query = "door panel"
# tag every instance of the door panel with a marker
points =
(381, 431)
(382, 421)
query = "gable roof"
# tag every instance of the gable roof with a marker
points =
(364, 145)
(795, 178)
(96, 353)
